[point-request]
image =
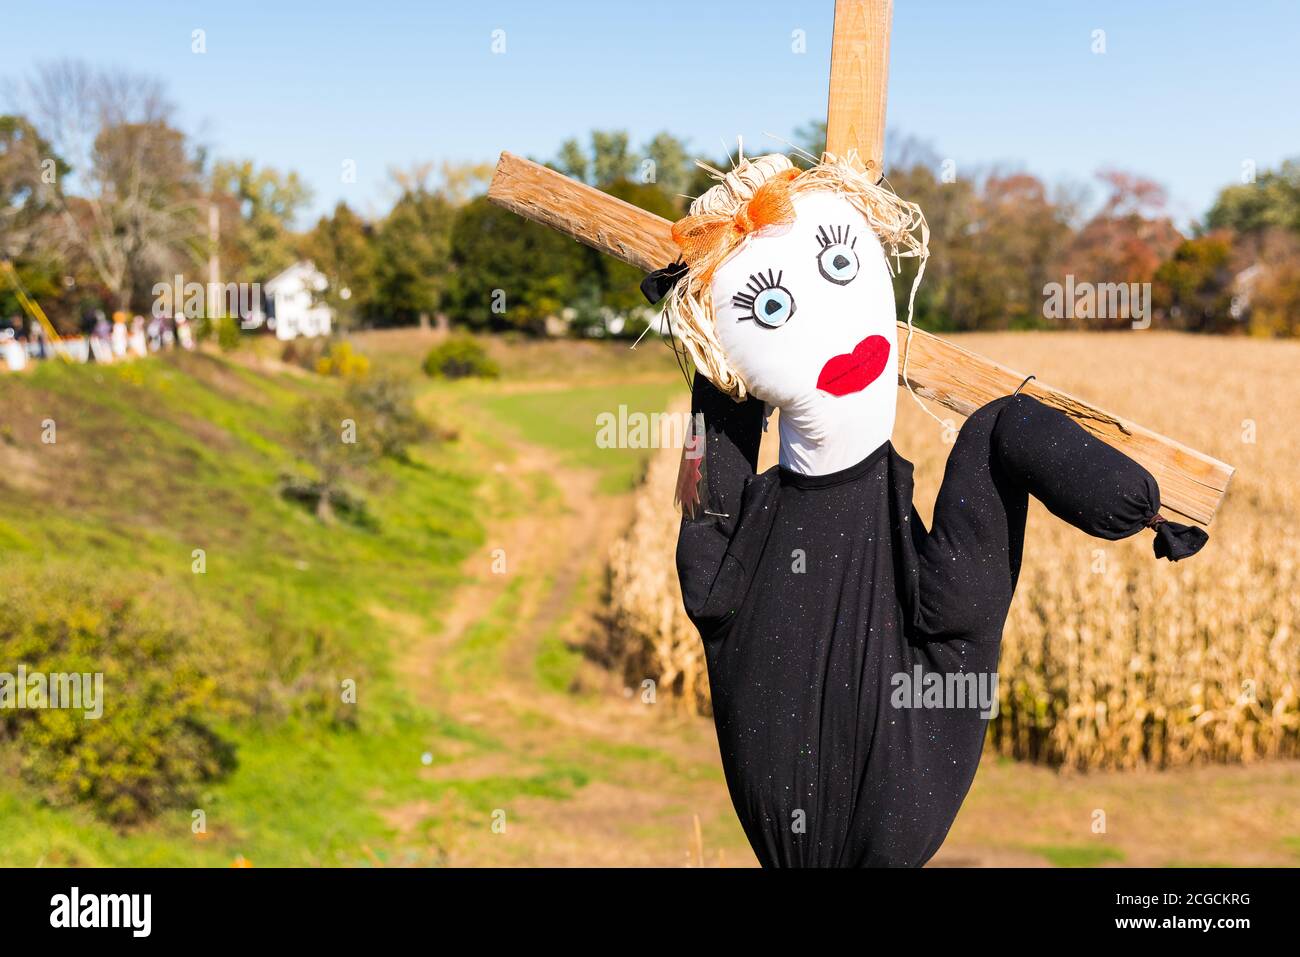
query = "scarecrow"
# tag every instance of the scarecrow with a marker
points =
(817, 589)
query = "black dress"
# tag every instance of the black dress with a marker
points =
(823, 601)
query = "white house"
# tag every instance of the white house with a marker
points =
(290, 309)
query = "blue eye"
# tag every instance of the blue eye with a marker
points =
(769, 303)
(837, 261)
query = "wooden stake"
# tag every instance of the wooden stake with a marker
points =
(855, 111)
(1192, 484)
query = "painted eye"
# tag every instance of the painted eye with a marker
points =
(837, 261)
(774, 307)
(769, 303)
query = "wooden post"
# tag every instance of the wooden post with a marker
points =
(855, 110)
(1192, 484)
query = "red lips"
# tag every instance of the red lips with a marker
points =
(854, 371)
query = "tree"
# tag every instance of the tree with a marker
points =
(672, 168)
(950, 210)
(328, 438)
(1193, 288)
(1273, 200)
(29, 170)
(261, 240)
(412, 256)
(811, 137)
(132, 216)
(461, 182)
(457, 183)
(511, 273)
(619, 283)
(608, 160)
(611, 159)
(341, 247)
(572, 161)
(1273, 293)
(1126, 241)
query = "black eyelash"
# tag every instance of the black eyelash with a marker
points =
(757, 284)
(837, 234)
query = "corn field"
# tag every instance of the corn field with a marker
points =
(1110, 659)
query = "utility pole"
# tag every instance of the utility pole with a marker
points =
(214, 259)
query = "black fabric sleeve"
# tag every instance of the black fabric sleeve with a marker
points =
(1080, 479)
(1084, 481)
(968, 562)
(733, 431)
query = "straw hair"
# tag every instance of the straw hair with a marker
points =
(688, 310)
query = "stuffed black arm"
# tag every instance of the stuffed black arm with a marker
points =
(967, 563)
(733, 431)
(1082, 480)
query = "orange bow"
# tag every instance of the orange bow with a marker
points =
(700, 237)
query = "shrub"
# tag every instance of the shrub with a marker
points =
(387, 418)
(460, 357)
(228, 333)
(343, 361)
(329, 440)
(304, 353)
(154, 742)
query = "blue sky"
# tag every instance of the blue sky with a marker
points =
(1185, 92)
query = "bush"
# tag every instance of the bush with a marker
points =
(343, 361)
(386, 414)
(460, 357)
(154, 742)
(228, 333)
(304, 353)
(329, 440)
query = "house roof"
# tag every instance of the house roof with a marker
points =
(299, 275)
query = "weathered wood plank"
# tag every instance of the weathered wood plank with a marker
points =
(1192, 484)
(601, 221)
(855, 110)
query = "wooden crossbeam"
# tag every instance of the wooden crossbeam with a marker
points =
(855, 109)
(1192, 484)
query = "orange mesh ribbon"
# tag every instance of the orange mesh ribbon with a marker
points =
(704, 236)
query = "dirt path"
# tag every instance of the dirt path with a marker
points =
(652, 793)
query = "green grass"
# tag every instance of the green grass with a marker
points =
(1078, 855)
(159, 458)
(568, 421)
(1292, 844)
(477, 657)
(164, 456)
(556, 664)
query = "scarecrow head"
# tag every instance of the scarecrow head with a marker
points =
(788, 295)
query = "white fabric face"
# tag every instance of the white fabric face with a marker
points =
(805, 313)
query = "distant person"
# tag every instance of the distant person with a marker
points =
(138, 344)
(39, 342)
(14, 351)
(101, 347)
(184, 334)
(119, 335)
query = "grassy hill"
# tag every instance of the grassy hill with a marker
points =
(154, 460)
(151, 462)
